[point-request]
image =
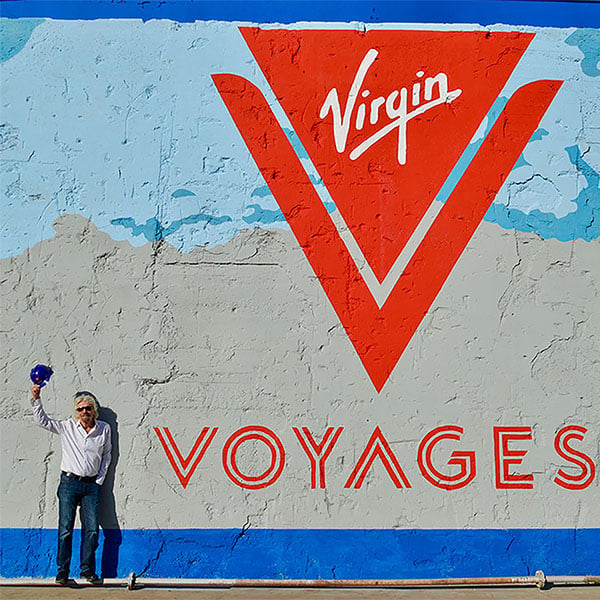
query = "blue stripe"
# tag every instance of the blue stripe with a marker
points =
(314, 553)
(512, 12)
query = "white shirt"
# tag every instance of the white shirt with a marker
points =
(86, 454)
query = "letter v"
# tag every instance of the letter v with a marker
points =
(341, 126)
(176, 458)
(380, 335)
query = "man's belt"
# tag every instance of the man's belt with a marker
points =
(91, 479)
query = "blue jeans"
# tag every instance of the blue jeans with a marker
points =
(73, 493)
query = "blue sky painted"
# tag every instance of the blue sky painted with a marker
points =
(128, 131)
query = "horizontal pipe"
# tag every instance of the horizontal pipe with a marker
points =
(332, 583)
(592, 579)
(539, 579)
(349, 583)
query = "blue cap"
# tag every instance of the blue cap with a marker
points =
(41, 374)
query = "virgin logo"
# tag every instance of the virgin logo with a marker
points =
(396, 108)
(384, 253)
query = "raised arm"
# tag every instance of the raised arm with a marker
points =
(39, 414)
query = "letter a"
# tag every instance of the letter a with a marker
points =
(377, 446)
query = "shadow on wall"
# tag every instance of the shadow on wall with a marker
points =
(108, 510)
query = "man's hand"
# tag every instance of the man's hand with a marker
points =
(36, 390)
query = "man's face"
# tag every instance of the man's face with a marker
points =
(85, 412)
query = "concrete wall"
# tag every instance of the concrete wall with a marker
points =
(202, 252)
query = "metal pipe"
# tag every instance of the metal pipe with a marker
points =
(331, 583)
(540, 579)
(593, 579)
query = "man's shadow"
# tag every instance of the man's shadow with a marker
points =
(108, 510)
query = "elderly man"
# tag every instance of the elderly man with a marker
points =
(86, 449)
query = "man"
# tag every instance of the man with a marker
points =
(86, 448)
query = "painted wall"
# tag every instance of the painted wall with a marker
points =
(335, 285)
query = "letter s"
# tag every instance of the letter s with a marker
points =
(581, 460)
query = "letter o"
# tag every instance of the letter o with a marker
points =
(272, 472)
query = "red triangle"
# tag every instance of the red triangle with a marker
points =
(380, 335)
(381, 200)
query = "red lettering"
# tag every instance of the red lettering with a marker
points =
(377, 446)
(578, 473)
(178, 462)
(504, 457)
(317, 453)
(588, 470)
(271, 473)
(464, 460)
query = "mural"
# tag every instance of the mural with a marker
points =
(383, 197)
(334, 284)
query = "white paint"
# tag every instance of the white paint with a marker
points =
(395, 110)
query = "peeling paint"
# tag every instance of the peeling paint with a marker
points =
(144, 256)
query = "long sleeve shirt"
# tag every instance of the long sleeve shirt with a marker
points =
(86, 454)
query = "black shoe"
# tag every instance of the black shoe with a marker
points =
(91, 578)
(62, 578)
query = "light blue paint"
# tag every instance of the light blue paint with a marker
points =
(14, 34)
(538, 135)
(154, 231)
(470, 151)
(262, 192)
(473, 148)
(521, 162)
(588, 41)
(265, 216)
(112, 87)
(181, 193)
(551, 181)
(294, 140)
(584, 223)
(70, 157)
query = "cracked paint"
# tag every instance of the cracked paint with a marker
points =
(144, 258)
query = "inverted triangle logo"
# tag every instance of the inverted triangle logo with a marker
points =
(384, 116)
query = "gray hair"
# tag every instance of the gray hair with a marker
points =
(88, 397)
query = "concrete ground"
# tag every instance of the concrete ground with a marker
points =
(118, 593)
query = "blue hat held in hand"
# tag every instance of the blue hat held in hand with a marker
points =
(40, 374)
